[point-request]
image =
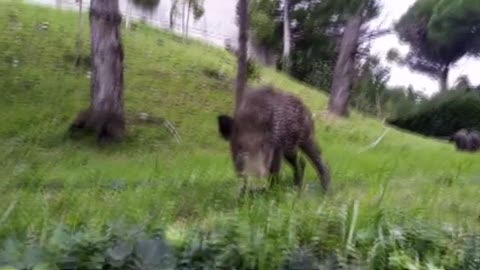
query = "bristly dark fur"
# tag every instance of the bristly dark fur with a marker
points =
(280, 121)
(466, 140)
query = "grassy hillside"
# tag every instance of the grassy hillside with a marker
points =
(47, 179)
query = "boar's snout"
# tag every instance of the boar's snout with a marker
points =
(252, 155)
(254, 165)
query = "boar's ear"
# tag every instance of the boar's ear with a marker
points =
(225, 126)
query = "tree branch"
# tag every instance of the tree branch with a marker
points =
(370, 35)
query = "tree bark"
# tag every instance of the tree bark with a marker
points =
(127, 15)
(286, 36)
(242, 51)
(378, 102)
(345, 67)
(173, 11)
(183, 20)
(58, 3)
(188, 17)
(444, 78)
(105, 116)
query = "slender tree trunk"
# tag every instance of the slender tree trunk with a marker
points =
(80, 32)
(58, 3)
(127, 15)
(345, 67)
(188, 17)
(286, 36)
(173, 12)
(444, 78)
(378, 102)
(242, 51)
(105, 115)
(183, 20)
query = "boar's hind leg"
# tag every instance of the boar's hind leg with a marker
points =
(311, 149)
(298, 165)
(275, 168)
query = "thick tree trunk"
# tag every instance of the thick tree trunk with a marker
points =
(444, 78)
(242, 51)
(107, 68)
(345, 67)
(105, 115)
(286, 36)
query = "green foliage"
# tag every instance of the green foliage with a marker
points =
(439, 34)
(346, 8)
(90, 249)
(472, 253)
(266, 29)
(313, 50)
(197, 9)
(253, 70)
(146, 4)
(195, 6)
(444, 114)
(455, 24)
(371, 95)
(463, 83)
(252, 245)
(315, 32)
(402, 102)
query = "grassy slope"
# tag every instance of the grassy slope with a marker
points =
(53, 179)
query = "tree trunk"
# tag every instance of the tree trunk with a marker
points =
(188, 17)
(173, 11)
(345, 67)
(242, 51)
(127, 15)
(183, 20)
(80, 33)
(378, 102)
(286, 36)
(58, 3)
(105, 115)
(444, 78)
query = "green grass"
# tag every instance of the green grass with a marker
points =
(47, 179)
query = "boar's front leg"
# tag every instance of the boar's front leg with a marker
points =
(298, 165)
(311, 149)
(275, 167)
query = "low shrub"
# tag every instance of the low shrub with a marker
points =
(444, 114)
(379, 244)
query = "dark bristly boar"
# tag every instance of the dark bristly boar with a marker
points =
(270, 125)
(466, 140)
(474, 140)
(461, 140)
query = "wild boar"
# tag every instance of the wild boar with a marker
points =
(462, 140)
(474, 140)
(270, 125)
